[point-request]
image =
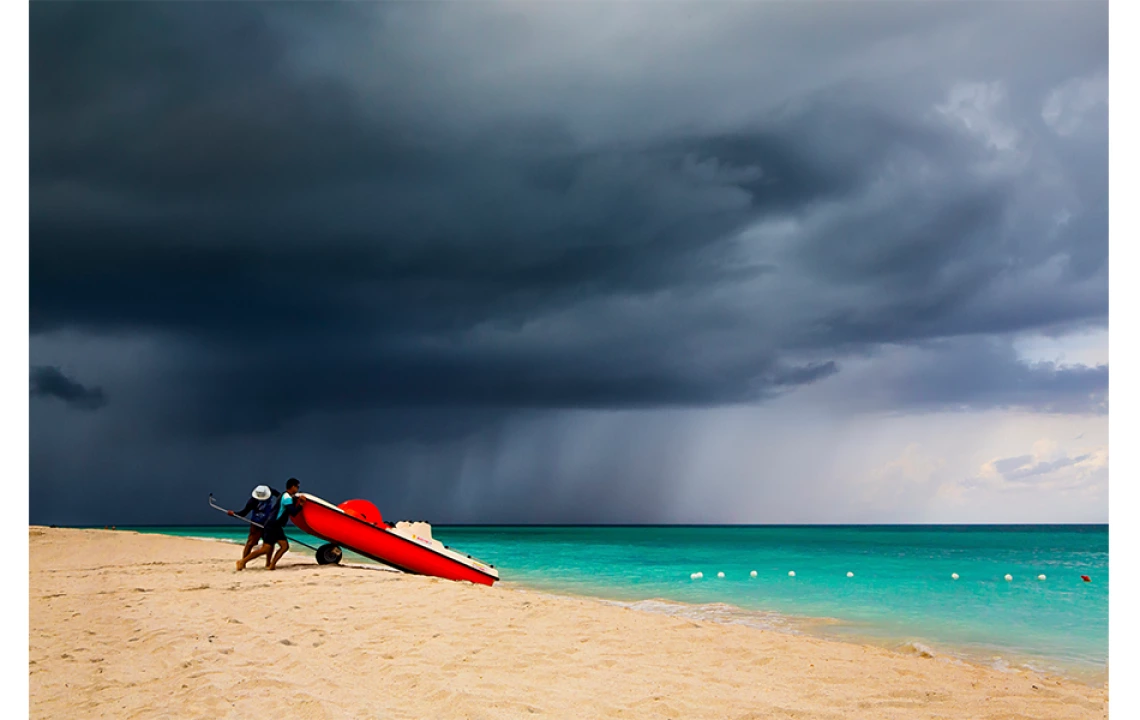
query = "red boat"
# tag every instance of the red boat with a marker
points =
(358, 526)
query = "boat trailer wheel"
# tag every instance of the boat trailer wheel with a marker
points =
(328, 554)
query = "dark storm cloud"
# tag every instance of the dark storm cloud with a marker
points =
(1042, 387)
(973, 374)
(443, 380)
(985, 382)
(412, 222)
(50, 382)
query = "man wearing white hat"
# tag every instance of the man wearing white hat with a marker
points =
(262, 504)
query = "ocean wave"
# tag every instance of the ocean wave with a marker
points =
(227, 541)
(919, 649)
(728, 614)
(723, 613)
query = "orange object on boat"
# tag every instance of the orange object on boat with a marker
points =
(358, 526)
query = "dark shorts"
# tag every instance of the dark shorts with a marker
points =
(272, 534)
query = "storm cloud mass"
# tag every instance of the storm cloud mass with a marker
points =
(49, 382)
(480, 262)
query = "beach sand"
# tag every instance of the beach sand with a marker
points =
(125, 625)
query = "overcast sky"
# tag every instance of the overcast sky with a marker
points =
(538, 262)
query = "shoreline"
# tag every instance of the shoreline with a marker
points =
(122, 623)
(724, 613)
(992, 657)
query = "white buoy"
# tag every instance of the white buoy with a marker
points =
(696, 576)
(1040, 577)
(720, 574)
(954, 575)
(850, 574)
(1008, 578)
(791, 573)
(753, 573)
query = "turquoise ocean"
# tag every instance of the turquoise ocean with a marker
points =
(902, 594)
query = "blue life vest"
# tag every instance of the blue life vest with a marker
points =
(265, 511)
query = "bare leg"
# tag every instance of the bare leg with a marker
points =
(256, 553)
(251, 541)
(281, 550)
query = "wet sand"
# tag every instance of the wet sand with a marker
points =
(126, 625)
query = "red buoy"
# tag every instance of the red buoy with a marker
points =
(1085, 578)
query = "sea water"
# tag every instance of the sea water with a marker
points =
(901, 595)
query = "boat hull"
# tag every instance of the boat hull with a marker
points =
(386, 545)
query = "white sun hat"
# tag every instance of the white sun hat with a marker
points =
(261, 492)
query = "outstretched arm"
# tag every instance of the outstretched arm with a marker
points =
(249, 506)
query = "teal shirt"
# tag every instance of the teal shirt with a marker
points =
(286, 509)
(283, 507)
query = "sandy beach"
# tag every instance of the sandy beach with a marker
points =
(124, 625)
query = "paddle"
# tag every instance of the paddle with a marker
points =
(218, 507)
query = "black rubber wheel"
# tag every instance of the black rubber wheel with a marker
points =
(328, 554)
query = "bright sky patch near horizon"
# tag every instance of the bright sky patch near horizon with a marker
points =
(571, 263)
